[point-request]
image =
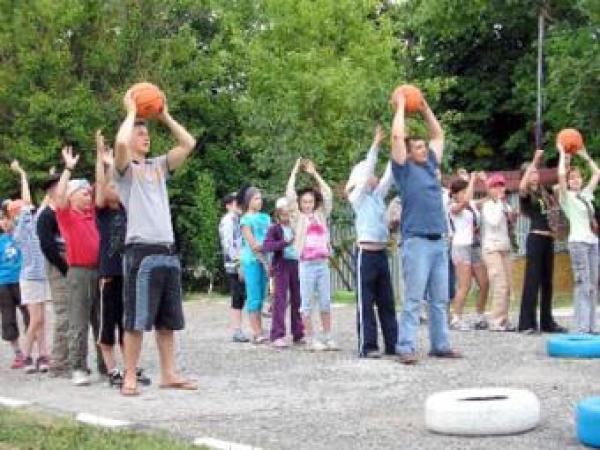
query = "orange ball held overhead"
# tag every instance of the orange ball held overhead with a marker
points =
(571, 140)
(148, 99)
(413, 98)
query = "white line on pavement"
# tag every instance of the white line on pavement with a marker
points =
(222, 445)
(13, 402)
(91, 419)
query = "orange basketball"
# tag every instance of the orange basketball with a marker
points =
(413, 97)
(148, 99)
(571, 140)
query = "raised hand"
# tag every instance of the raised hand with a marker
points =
(164, 114)
(298, 164)
(379, 135)
(538, 155)
(309, 167)
(16, 167)
(68, 157)
(99, 141)
(463, 174)
(129, 102)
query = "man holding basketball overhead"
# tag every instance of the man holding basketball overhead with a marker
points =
(152, 272)
(423, 225)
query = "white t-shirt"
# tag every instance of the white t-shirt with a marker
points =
(461, 225)
(495, 226)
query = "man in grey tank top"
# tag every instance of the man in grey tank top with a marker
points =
(152, 272)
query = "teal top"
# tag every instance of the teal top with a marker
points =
(259, 224)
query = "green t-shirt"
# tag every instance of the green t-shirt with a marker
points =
(576, 211)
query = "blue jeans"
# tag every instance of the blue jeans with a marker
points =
(315, 279)
(425, 272)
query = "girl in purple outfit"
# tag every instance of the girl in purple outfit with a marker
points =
(279, 240)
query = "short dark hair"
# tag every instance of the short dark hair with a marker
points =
(408, 140)
(229, 198)
(458, 185)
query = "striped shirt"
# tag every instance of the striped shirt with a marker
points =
(25, 235)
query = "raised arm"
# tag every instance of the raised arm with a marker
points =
(436, 133)
(326, 193)
(399, 151)
(100, 173)
(125, 134)
(61, 188)
(535, 162)
(593, 183)
(562, 172)
(25, 193)
(185, 141)
(290, 190)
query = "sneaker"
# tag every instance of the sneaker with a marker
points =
(459, 325)
(315, 345)
(43, 364)
(28, 365)
(372, 354)
(481, 323)
(556, 328)
(408, 359)
(331, 345)
(447, 354)
(529, 332)
(239, 336)
(258, 340)
(300, 341)
(279, 343)
(80, 378)
(18, 362)
(142, 378)
(115, 378)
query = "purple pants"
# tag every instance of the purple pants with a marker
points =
(286, 279)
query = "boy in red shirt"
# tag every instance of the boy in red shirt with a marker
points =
(76, 218)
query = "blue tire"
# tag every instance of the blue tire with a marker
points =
(588, 421)
(574, 346)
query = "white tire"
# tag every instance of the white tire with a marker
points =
(482, 411)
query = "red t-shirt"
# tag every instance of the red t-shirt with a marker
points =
(80, 233)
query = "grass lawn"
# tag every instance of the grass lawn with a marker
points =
(26, 429)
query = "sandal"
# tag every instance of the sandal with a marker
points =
(183, 385)
(129, 391)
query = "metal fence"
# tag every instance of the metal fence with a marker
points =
(343, 265)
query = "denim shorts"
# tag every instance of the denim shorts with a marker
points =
(152, 289)
(315, 279)
(466, 254)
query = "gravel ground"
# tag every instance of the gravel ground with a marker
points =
(292, 399)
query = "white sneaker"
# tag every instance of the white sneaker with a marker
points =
(315, 345)
(459, 325)
(80, 378)
(331, 345)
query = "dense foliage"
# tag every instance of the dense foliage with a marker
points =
(265, 81)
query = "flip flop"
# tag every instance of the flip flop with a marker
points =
(183, 385)
(128, 391)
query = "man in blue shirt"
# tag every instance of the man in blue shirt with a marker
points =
(423, 225)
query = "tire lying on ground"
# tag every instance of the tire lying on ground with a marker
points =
(588, 421)
(482, 411)
(574, 346)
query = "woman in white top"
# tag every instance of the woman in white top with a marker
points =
(576, 202)
(464, 223)
(496, 218)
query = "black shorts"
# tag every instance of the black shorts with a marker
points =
(238, 291)
(10, 300)
(152, 288)
(111, 310)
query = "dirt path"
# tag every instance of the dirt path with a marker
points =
(292, 399)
